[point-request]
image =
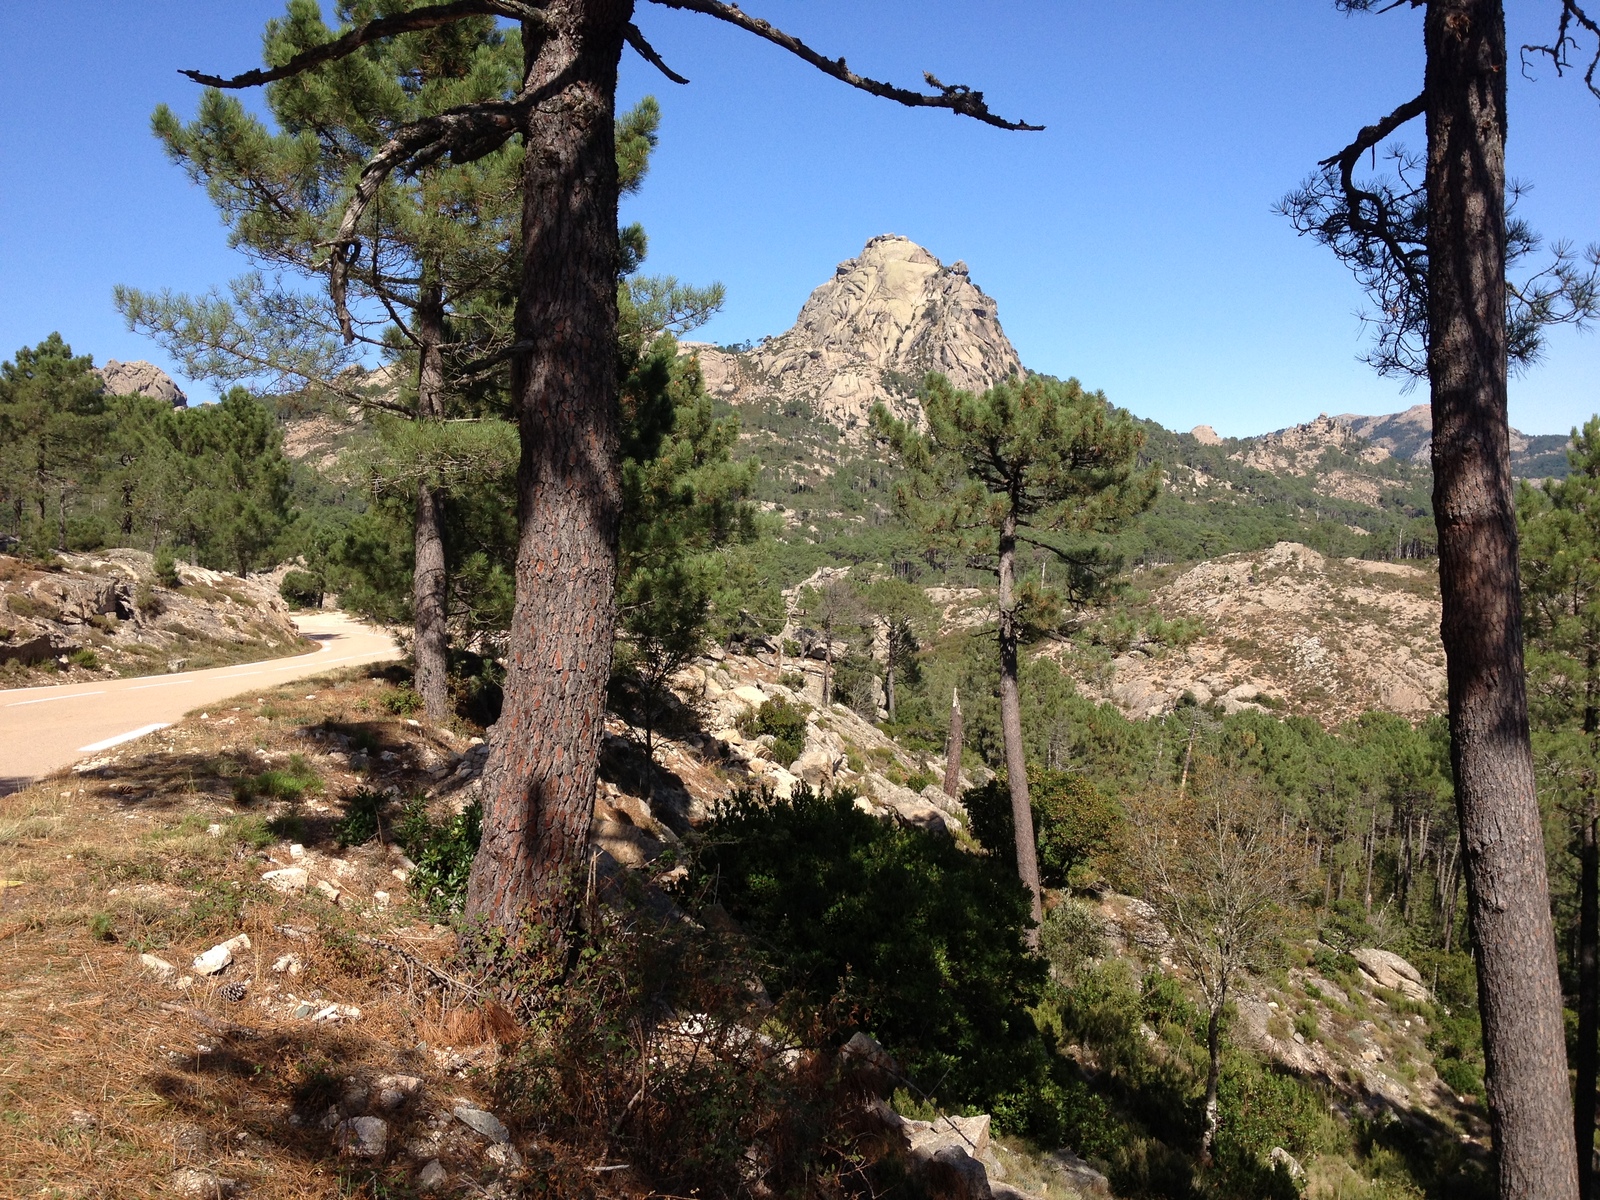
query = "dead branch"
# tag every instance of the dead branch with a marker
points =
(958, 98)
(1556, 51)
(648, 52)
(429, 17)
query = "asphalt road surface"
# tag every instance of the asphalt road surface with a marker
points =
(44, 729)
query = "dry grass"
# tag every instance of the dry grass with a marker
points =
(111, 1080)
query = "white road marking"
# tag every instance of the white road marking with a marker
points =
(47, 699)
(122, 737)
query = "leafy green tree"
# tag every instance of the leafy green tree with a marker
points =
(1032, 460)
(52, 430)
(1560, 527)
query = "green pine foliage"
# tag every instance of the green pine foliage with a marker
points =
(80, 470)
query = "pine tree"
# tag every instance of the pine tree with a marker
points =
(1560, 527)
(52, 430)
(540, 784)
(1032, 461)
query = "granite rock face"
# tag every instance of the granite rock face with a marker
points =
(139, 378)
(869, 334)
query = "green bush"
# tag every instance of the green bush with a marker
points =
(302, 589)
(1073, 824)
(84, 657)
(1072, 935)
(921, 941)
(443, 853)
(401, 701)
(363, 818)
(166, 568)
(103, 927)
(785, 722)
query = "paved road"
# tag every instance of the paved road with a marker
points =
(43, 729)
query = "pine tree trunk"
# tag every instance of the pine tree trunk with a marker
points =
(1519, 992)
(1588, 995)
(540, 786)
(429, 584)
(888, 683)
(1587, 1062)
(952, 762)
(1011, 728)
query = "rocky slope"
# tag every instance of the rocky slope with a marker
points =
(1291, 630)
(88, 616)
(868, 335)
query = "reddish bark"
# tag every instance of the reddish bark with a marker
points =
(1519, 993)
(540, 784)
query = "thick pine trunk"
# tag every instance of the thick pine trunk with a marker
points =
(952, 763)
(1587, 1059)
(1588, 995)
(1519, 993)
(540, 785)
(429, 584)
(1011, 728)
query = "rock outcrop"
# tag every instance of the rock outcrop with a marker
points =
(139, 378)
(868, 335)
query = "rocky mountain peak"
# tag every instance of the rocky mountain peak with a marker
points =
(139, 378)
(868, 335)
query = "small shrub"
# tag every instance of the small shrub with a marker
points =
(793, 680)
(301, 589)
(785, 722)
(102, 927)
(1460, 1077)
(917, 780)
(27, 606)
(402, 701)
(443, 853)
(84, 657)
(148, 601)
(1305, 1024)
(363, 818)
(166, 568)
(1072, 935)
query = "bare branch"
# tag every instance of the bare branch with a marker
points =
(648, 52)
(1556, 52)
(956, 97)
(430, 17)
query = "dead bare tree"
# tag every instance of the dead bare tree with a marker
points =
(1220, 871)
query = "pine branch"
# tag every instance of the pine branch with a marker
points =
(956, 97)
(429, 17)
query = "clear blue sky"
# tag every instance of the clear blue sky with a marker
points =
(1132, 244)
